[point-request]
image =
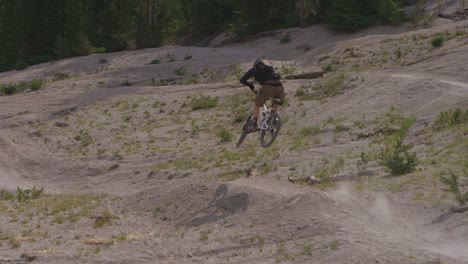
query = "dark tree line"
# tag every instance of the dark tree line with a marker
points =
(33, 31)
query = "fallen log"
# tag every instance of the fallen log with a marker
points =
(307, 75)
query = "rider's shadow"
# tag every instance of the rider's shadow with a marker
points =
(220, 207)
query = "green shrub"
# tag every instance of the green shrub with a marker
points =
(60, 76)
(225, 135)
(105, 219)
(188, 57)
(84, 137)
(8, 89)
(454, 188)
(5, 195)
(397, 159)
(398, 53)
(450, 118)
(35, 84)
(195, 129)
(180, 71)
(28, 194)
(288, 68)
(309, 131)
(328, 68)
(300, 92)
(203, 102)
(331, 85)
(155, 61)
(102, 60)
(405, 124)
(437, 41)
(126, 83)
(362, 163)
(170, 58)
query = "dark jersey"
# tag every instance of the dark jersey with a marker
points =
(261, 77)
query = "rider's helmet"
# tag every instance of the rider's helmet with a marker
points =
(258, 63)
(262, 64)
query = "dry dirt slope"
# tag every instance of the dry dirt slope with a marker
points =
(133, 174)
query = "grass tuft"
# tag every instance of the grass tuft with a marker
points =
(437, 41)
(203, 102)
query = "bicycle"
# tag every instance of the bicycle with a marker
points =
(269, 124)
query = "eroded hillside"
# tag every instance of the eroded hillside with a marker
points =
(136, 154)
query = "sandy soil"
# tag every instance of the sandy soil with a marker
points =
(116, 141)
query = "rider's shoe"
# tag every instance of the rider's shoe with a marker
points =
(253, 126)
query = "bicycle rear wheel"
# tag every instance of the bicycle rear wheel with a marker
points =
(245, 131)
(269, 135)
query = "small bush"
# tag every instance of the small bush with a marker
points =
(105, 219)
(288, 68)
(126, 83)
(300, 92)
(28, 194)
(195, 129)
(180, 71)
(309, 131)
(398, 53)
(397, 159)
(362, 163)
(188, 57)
(155, 61)
(327, 68)
(35, 84)
(203, 102)
(102, 60)
(286, 39)
(4, 195)
(331, 85)
(437, 41)
(450, 118)
(60, 76)
(84, 137)
(224, 135)
(405, 124)
(170, 58)
(8, 89)
(454, 188)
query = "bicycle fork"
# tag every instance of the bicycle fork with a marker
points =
(263, 118)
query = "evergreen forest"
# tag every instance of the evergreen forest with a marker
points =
(34, 31)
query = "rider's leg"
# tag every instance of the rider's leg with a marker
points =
(279, 94)
(259, 101)
(276, 107)
(256, 111)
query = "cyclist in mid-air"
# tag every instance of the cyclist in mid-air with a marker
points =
(272, 87)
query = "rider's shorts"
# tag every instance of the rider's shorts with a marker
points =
(270, 90)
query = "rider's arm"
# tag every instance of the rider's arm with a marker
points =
(248, 75)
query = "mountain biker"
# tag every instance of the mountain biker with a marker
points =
(272, 87)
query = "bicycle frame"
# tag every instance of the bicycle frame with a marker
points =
(263, 117)
(269, 130)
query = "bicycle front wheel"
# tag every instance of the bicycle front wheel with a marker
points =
(269, 135)
(245, 131)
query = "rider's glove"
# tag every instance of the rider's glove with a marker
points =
(252, 88)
